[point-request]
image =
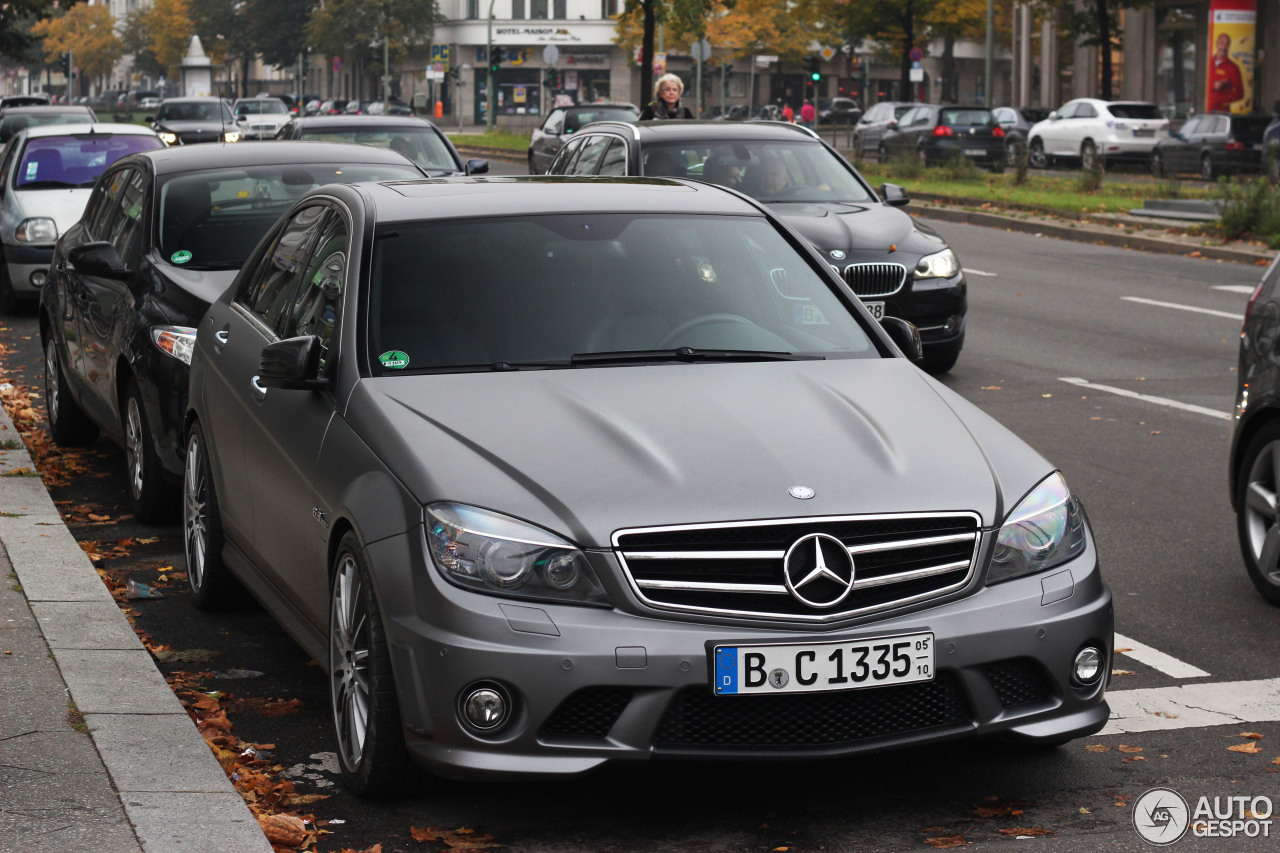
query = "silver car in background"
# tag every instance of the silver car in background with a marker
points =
(661, 488)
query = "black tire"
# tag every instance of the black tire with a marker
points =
(364, 705)
(1013, 152)
(532, 169)
(1207, 170)
(149, 490)
(940, 359)
(69, 426)
(1158, 167)
(1036, 158)
(9, 300)
(1258, 513)
(1088, 154)
(212, 585)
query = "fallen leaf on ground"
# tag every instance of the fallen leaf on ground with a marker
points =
(1126, 748)
(1251, 748)
(285, 829)
(1098, 747)
(1122, 672)
(999, 809)
(463, 838)
(1252, 735)
(942, 842)
(1026, 831)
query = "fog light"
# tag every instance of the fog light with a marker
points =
(39, 277)
(952, 325)
(1088, 665)
(485, 708)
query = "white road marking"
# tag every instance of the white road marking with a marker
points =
(1193, 706)
(1246, 289)
(972, 271)
(1156, 659)
(1147, 398)
(1209, 311)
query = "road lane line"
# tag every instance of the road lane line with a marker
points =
(1156, 659)
(972, 271)
(1189, 706)
(1246, 289)
(1209, 311)
(1147, 398)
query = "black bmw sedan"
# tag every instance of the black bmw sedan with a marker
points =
(187, 121)
(163, 234)
(898, 266)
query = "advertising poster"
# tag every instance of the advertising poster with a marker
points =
(1232, 40)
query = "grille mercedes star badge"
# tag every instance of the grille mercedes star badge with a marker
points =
(818, 570)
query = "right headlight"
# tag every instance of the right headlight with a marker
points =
(1046, 528)
(167, 137)
(487, 552)
(938, 265)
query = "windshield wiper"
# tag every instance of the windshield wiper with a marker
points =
(689, 355)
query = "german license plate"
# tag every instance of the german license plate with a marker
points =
(1141, 132)
(975, 152)
(876, 309)
(822, 667)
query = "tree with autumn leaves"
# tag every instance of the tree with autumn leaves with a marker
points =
(87, 32)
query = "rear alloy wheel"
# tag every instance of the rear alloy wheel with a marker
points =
(1258, 513)
(68, 424)
(362, 690)
(1207, 171)
(1036, 157)
(148, 490)
(211, 583)
(1088, 155)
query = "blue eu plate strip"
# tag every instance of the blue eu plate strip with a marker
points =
(726, 670)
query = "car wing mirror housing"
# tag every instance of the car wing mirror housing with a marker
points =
(1053, 116)
(98, 258)
(292, 364)
(477, 166)
(894, 195)
(906, 336)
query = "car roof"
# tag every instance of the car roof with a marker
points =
(194, 100)
(366, 122)
(222, 155)
(617, 104)
(87, 127)
(47, 109)
(656, 131)
(454, 198)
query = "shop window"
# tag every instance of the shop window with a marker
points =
(1176, 58)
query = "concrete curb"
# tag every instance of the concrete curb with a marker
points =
(171, 787)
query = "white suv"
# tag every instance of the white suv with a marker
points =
(1087, 127)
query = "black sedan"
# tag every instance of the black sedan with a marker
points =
(1213, 144)
(416, 138)
(187, 121)
(898, 266)
(931, 134)
(163, 234)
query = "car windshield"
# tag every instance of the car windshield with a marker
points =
(1136, 111)
(14, 123)
(801, 171)
(190, 112)
(58, 162)
(261, 107)
(576, 119)
(213, 219)
(420, 143)
(446, 296)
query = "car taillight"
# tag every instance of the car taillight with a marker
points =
(943, 130)
(1232, 145)
(997, 131)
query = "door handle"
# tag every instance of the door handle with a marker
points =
(220, 339)
(259, 390)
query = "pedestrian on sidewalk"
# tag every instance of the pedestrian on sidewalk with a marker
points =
(788, 114)
(807, 114)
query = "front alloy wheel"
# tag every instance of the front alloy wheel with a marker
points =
(362, 691)
(1036, 156)
(1257, 512)
(1088, 155)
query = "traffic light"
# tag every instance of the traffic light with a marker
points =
(64, 63)
(811, 64)
(495, 59)
(726, 72)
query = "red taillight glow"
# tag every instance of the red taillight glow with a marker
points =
(943, 130)
(997, 132)
(1234, 146)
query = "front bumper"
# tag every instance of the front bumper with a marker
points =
(24, 262)
(591, 686)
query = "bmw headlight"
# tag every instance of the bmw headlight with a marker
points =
(231, 136)
(938, 265)
(175, 341)
(1047, 528)
(487, 552)
(37, 229)
(168, 138)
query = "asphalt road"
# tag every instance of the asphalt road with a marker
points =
(1152, 476)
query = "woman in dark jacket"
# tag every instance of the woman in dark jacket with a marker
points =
(666, 100)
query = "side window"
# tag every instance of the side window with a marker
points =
(7, 164)
(266, 293)
(317, 304)
(1192, 127)
(1068, 110)
(1085, 111)
(587, 161)
(118, 217)
(615, 160)
(555, 123)
(907, 118)
(564, 160)
(1220, 124)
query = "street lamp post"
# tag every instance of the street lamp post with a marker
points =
(490, 100)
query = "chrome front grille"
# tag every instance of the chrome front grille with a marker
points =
(736, 569)
(875, 279)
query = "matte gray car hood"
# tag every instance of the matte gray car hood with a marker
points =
(869, 227)
(586, 452)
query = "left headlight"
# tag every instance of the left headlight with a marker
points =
(938, 265)
(38, 229)
(487, 552)
(1046, 529)
(175, 341)
(231, 136)
(168, 138)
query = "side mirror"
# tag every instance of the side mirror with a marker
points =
(894, 195)
(1053, 116)
(477, 166)
(893, 122)
(100, 259)
(241, 117)
(905, 336)
(292, 364)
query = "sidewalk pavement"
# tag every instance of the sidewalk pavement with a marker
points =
(96, 752)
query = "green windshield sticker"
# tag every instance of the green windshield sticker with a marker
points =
(318, 277)
(394, 360)
(134, 211)
(180, 257)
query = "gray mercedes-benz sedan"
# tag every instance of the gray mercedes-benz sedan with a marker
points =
(559, 472)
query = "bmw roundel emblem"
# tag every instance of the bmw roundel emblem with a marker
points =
(837, 254)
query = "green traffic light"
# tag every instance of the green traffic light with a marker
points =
(815, 77)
